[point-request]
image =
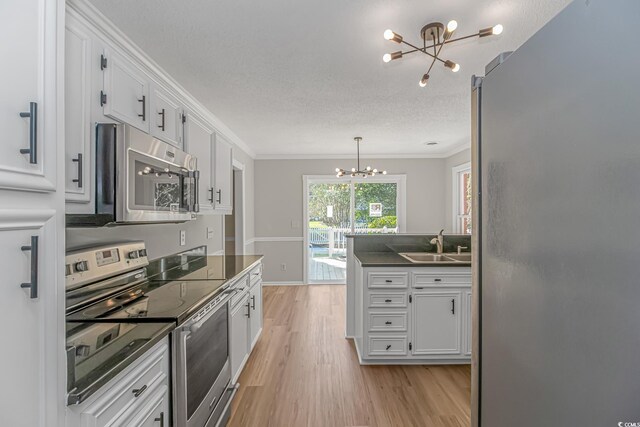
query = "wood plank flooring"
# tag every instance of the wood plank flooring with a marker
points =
(303, 372)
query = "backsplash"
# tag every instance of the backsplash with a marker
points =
(160, 239)
(409, 242)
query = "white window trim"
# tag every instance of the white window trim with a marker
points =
(401, 205)
(456, 171)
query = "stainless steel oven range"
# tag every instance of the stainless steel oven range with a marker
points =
(108, 285)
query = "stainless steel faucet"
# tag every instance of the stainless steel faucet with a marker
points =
(439, 241)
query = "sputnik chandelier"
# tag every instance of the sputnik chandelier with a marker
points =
(437, 35)
(368, 171)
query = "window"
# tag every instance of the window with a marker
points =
(462, 198)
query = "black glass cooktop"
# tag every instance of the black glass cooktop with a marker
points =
(218, 267)
(152, 301)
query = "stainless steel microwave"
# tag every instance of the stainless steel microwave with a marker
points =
(139, 179)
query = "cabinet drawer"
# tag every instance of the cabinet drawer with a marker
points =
(240, 284)
(428, 280)
(388, 280)
(388, 322)
(388, 299)
(388, 346)
(131, 390)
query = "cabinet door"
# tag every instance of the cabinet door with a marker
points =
(28, 367)
(127, 92)
(239, 336)
(468, 333)
(199, 143)
(436, 322)
(223, 174)
(27, 152)
(78, 48)
(166, 111)
(255, 301)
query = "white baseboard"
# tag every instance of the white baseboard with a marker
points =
(282, 283)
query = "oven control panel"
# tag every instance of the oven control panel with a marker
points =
(88, 265)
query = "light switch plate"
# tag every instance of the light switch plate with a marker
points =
(183, 237)
(209, 232)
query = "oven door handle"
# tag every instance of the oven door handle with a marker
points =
(192, 328)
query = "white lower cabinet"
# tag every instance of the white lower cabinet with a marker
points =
(255, 320)
(414, 314)
(27, 299)
(239, 346)
(246, 319)
(436, 322)
(139, 396)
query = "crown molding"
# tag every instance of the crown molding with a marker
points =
(112, 34)
(444, 155)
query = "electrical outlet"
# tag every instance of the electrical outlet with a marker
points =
(209, 232)
(283, 267)
(183, 237)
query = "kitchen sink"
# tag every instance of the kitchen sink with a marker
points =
(427, 258)
(460, 257)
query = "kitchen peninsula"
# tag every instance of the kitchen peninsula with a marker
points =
(409, 298)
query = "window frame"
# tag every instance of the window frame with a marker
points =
(458, 196)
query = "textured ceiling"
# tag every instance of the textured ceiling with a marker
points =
(295, 77)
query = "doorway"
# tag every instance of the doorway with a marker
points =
(234, 222)
(336, 207)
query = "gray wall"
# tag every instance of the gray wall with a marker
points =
(279, 204)
(164, 239)
(451, 162)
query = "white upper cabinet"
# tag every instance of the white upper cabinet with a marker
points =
(78, 73)
(166, 117)
(27, 153)
(126, 91)
(223, 175)
(199, 143)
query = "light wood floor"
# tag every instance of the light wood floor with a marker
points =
(303, 372)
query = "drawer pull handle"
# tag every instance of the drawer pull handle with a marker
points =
(389, 281)
(388, 346)
(437, 280)
(453, 306)
(388, 322)
(161, 114)
(161, 419)
(387, 300)
(138, 391)
(253, 302)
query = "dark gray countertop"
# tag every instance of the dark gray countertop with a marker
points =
(392, 259)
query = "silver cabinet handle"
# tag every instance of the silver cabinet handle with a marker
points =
(387, 322)
(80, 166)
(33, 285)
(249, 310)
(253, 302)
(161, 419)
(144, 108)
(32, 151)
(219, 200)
(211, 194)
(453, 306)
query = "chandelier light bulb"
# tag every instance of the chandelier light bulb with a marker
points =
(353, 169)
(390, 35)
(368, 168)
(338, 170)
(386, 57)
(384, 172)
(497, 29)
(452, 25)
(422, 83)
(452, 65)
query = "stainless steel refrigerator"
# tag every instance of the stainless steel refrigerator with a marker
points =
(557, 164)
